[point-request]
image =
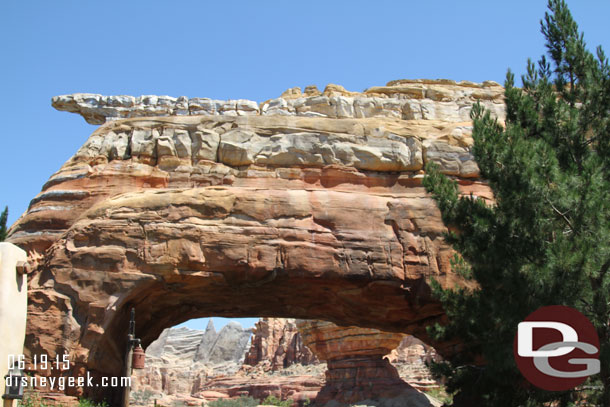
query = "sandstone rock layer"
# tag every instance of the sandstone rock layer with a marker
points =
(277, 344)
(357, 370)
(403, 99)
(308, 206)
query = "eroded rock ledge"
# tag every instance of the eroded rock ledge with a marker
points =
(403, 99)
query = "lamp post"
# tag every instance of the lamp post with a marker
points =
(132, 342)
(14, 386)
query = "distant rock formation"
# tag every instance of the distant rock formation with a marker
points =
(208, 339)
(191, 346)
(181, 359)
(178, 344)
(410, 358)
(277, 344)
(356, 367)
(184, 363)
(229, 345)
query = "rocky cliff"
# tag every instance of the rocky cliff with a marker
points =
(277, 344)
(185, 346)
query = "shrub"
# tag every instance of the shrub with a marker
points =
(142, 397)
(32, 399)
(240, 402)
(274, 401)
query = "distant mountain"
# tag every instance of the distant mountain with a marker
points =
(184, 346)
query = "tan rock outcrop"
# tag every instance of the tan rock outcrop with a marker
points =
(279, 152)
(357, 370)
(411, 359)
(283, 387)
(317, 213)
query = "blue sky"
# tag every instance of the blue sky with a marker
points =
(239, 49)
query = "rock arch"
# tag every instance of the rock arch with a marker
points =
(260, 213)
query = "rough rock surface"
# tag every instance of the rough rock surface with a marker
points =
(410, 359)
(273, 214)
(182, 358)
(356, 368)
(183, 363)
(292, 387)
(404, 99)
(366, 156)
(277, 344)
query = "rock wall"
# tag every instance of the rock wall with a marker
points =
(356, 369)
(277, 344)
(185, 347)
(225, 149)
(411, 359)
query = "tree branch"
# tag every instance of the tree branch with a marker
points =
(563, 215)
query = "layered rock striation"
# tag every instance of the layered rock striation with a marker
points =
(275, 152)
(314, 215)
(277, 344)
(403, 99)
(357, 370)
(181, 359)
(184, 363)
(185, 346)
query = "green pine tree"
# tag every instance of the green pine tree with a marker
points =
(546, 238)
(3, 220)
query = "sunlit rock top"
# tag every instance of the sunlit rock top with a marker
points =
(441, 99)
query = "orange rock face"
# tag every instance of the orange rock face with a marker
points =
(297, 211)
(276, 344)
(331, 342)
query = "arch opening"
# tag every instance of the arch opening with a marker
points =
(188, 363)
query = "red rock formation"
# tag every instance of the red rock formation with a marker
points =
(276, 344)
(305, 208)
(183, 359)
